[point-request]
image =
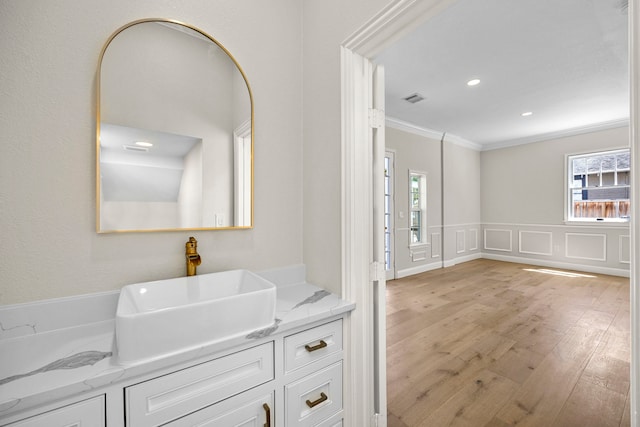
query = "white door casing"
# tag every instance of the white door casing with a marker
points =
(378, 281)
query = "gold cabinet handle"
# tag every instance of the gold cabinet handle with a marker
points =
(315, 347)
(321, 399)
(268, 411)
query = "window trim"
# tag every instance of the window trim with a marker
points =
(423, 202)
(588, 222)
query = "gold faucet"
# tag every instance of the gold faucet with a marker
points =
(193, 258)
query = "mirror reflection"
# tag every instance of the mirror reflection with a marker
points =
(174, 132)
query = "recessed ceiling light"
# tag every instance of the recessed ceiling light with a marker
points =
(473, 82)
(144, 144)
(527, 114)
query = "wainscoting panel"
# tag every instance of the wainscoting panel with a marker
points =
(473, 239)
(461, 244)
(436, 245)
(586, 246)
(497, 240)
(419, 255)
(592, 248)
(625, 249)
(535, 242)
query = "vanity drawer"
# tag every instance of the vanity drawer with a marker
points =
(237, 411)
(311, 345)
(88, 413)
(171, 396)
(314, 398)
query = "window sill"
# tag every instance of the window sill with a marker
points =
(622, 223)
(419, 245)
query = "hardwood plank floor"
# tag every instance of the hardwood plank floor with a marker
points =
(494, 344)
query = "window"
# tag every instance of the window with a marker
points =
(598, 186)
(417, 208)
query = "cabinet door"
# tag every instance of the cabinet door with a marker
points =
(244, 410)
(88, 413)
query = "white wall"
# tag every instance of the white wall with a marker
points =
(462, 195)
(462, 228)
(49, 58)
(523, 204)
(326, 24)
(416, 153)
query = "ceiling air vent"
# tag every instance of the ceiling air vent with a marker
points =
(416, 97)
(135, 148)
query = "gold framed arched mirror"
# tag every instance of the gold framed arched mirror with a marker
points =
(174, 132)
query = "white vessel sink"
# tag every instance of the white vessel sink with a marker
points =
(165, 316)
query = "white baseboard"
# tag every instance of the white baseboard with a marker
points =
(566, 265)
(461, 259)
(417, 270)
(435, 265)
(520, 260)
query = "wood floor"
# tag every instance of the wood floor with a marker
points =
(488, 343)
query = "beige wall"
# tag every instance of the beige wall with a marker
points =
(462, 197)
(524, 184)
(47, 157)
(523, 203)
(422, 154)
(326, 24)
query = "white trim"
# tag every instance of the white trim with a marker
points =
(475, 240)
(419, 255)
(402, 125)
(418, 269)
(613, 124)
(634, 78)
(430, 133)
(607, 222)
(464, 241)
(498, 249)
(565, 265)
(435, 249)
(461, 259)
(514, 259)
(604, 246)
(548, 252)
(470, 224)
(356, 242)
(571, 225)
(393, 22)
(620, 246)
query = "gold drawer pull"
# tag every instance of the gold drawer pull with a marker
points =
(321, 399)
(316, 347)
(268, 411)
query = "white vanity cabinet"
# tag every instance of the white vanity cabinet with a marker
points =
(293, 380)
(68, 372)
(167, 398)
(87, 413)
(283, 379)
(313, 367)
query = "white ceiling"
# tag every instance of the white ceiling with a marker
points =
(564, 60)
(153, 175)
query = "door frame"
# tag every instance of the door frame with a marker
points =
(391, 154)
(394, 21)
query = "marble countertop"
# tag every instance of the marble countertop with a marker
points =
(42, 361)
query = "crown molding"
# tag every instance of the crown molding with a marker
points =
(613, 124)
(430, 133)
